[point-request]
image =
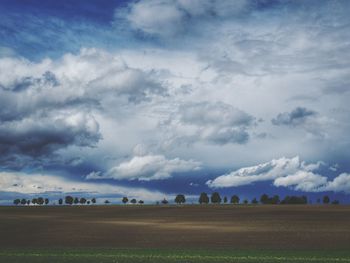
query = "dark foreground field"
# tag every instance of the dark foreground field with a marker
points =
(175, 234)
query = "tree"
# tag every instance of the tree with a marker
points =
(234, 199)
(225, 199)
(60, 201)
(46, 201)
(133, 201)
(245, 201)
(254, 201)
(141, 202)
(274, 200)
(180, 199)
(28, 202)
(215, 198)
(125, 200)
(294, 200)
(82, 201)
(76, 200)
(107, 202)
(93, 200)
(17, 201)
(88, 202)
(23, 201)
(264, 199)
(326, 199)
(69, 200)
(335, 202)
(34, 201)
(164, 201)
(203, 198)
(40, 201)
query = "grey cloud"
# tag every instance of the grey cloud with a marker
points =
(169, 18)
(40, 136)
(135, 84)
(229, 135)
(206, 113)
(50, 105)
(295, 117)
(23, 83)
(215, 123)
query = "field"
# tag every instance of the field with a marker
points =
(175, 234)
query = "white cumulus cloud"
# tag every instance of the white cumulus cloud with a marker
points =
(148, 167)
(286, 172)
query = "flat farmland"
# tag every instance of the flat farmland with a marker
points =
(175, 234)
(173, 227)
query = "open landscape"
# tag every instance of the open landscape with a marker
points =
(190, 233)
(174, 131)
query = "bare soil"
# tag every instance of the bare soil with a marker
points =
(193, 226)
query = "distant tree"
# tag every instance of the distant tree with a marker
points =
(326, 199)
(141, 202)
(180, 199)
(133, 201)
(245, 201)
(294, 200)
(335, 202)
(76, 201)
(164, 201)
(254, 201)
(34, 201)
(107, 202)
(215, 198)
(125, 200)
(40, 201)
(28, 202)
(82, 201)
(274, 200)
(69, 200)
(88, 202)
(60, 201)
(23, 201)
(93, 200)
(234, 199)
(203, 198)
(46, 201)
(264, 199)
(17, 201)
(225, 199)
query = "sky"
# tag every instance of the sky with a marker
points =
(149, 99)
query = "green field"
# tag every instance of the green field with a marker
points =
(164, 256)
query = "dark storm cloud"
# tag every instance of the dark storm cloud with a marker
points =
(295, 117)
(40, 136)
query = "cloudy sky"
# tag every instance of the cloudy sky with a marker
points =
(153, 98)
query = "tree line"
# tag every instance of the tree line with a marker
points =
(215, 198)
(204, 198)
(34, 201)
(68, 200)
